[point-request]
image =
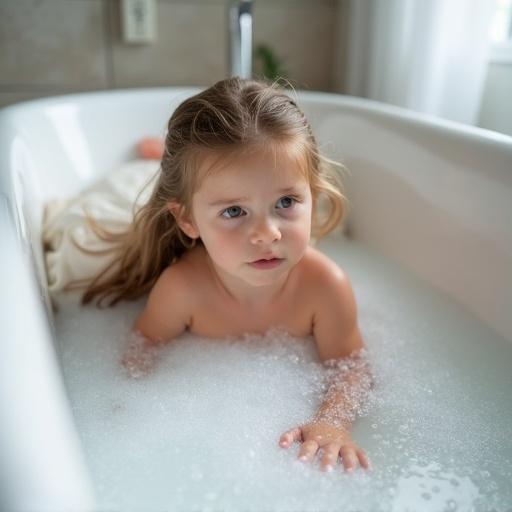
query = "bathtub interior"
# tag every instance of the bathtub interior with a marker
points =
(429, 194)
(54, 148)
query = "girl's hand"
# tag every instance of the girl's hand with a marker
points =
(333, 441)
(139, 358)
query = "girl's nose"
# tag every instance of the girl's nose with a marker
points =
(265, 231)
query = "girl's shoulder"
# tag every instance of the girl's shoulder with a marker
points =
(318, 266)
(314, 271)
(192, 263)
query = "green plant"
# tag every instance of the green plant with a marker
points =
(271, 65)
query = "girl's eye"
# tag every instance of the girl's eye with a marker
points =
(233, 211)
(289, 201)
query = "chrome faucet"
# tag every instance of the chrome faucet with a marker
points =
(240, 31)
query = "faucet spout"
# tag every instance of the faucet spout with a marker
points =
(240, 29)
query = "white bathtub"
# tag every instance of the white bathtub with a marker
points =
(432, 195)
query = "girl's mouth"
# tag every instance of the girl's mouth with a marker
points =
(266, 264)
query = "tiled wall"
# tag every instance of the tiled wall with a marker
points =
(50, 47)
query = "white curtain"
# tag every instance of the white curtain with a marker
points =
(425, 55)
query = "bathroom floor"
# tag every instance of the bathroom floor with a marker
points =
(202, 431)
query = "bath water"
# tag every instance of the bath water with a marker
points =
(201, 430)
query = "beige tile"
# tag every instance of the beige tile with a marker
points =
(191, 47)
(76, 44)
(52, 43)
(340, 54)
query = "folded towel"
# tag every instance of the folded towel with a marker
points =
(110, 201)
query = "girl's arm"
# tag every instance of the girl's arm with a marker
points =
(168, 309)
(165, 316)
(338, 341)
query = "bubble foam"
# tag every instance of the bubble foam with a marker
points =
(195, 424)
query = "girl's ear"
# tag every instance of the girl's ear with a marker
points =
(186, 225)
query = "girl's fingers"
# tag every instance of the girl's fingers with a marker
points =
(350, 460)
(330, 456)
(307, 450)
(289, 437)
(363, 459)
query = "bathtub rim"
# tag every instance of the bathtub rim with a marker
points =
(363, 104)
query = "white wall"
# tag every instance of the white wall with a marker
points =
(496, 108)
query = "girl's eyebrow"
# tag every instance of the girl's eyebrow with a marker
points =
(219, 202)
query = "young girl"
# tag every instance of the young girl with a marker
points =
(222, 246)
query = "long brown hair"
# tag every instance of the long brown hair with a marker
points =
(228, 118)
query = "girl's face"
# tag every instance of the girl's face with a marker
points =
(250, 211)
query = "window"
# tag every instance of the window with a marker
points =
(501, 32)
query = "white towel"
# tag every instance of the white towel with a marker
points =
(110, 202)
